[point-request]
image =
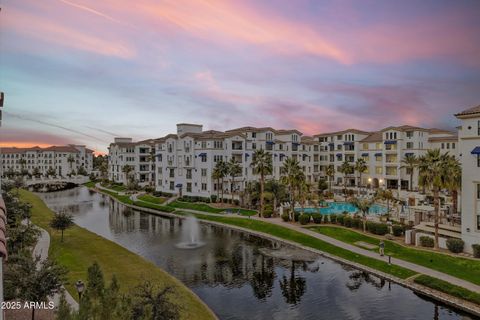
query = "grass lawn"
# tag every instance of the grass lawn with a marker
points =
(448, 288)
(308, 241)
(206, 208)
(114, 186)
(82, 247)
(459, 267)
(126, 199)
(90, 184)
(152, 199)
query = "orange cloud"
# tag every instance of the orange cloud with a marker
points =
(37, 27)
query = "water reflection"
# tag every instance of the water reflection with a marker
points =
(245, 277)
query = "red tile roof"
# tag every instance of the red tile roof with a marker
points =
(469, 111)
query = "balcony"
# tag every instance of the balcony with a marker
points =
(237, 145)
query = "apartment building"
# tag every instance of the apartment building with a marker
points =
(185, 161)
(63, 159)
(140, 156)
(469, 149)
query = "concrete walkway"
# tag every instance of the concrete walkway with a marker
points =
(41, 250)
(402, 263)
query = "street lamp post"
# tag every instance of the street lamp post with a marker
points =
(80, 287)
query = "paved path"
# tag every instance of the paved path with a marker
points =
(402, 263)
(41, 249)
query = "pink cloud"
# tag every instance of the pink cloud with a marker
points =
(58, 33)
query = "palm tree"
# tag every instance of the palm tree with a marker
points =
(453, 179)
(217, 175)
(278, 191)
(262, 165)
(433, 176)
(330, 173)
(410, 162)
(387, 196)
(127, 169)
(220, 170)
(70, 160)
(360, 167)
(22, 163)
(291, 176)
(304, 191)
(364, 207)
(234, 170)
(346, 168)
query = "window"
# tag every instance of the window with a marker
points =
(378, 170)
(204, 172)
(409, 145)
(254, 146)
(204, 144)
(189, 173)
(254, 135)
(448, 145)
(365, 146)
(218, 144)
(204, 158)
(269, 136)
(172, 186)
(478, 191)
(189, 187)
(172, 173)
(453, 145)
(339, 137)
(409, 134)
(217, 158)
(478, 124)
(478, 161)
(204, 186)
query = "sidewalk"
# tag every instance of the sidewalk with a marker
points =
(41, 249)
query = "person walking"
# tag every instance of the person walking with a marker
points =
(381, 247)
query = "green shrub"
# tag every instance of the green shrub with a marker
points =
(426, 241)
(268, 211)
(371, 226)
(317, 218)
(333, 218)
(476, 250)
(455, 245)
(304, 219)
(381, 229)
(340, 219)
(285, 217)
(398, 230)
(357, 223)
(347, 222)
(296, 216)
(213, 198)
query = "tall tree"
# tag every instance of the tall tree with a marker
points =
(361, 168)
(29, 279)
(221, 170)
(234, 170)
(292, 175)
(71, 160)
(278, 191)
(330, 173)
(433, 176)
(410, 163)
(346, 169)
(453, 178)
(262, 165)
(62, 221)
(127, 169)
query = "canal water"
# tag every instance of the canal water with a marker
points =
(246, 277)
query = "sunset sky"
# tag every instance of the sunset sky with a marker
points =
(84, 71)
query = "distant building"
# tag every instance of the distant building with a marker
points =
(469, 148)
(63, 159)
(138, 155)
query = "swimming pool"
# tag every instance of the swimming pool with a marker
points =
(340, 207)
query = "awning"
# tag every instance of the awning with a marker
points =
(348, 143)
(476, 151)
(247, 155)
(331, 144)
(270, 142)
(282, 155)
(295, 144)
(391, 142)
(202, 155)
(364, 154)
(276, 155)
(339, 154)
(179, 185)
(378, 154)
(409, 154)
